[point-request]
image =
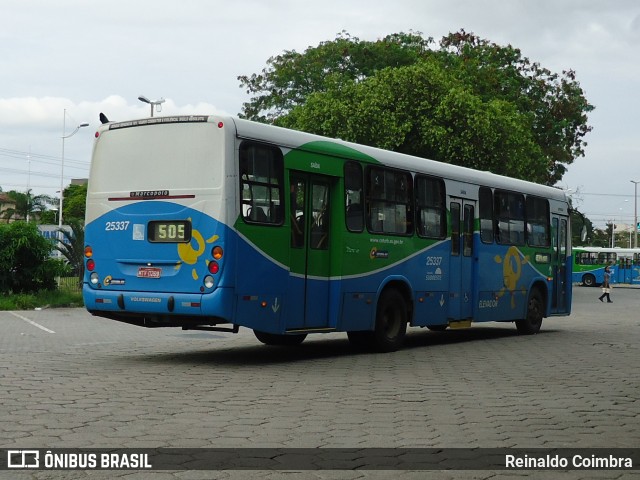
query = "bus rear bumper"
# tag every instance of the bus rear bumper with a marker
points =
(154, 309)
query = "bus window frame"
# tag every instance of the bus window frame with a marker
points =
(487, 235)
(511, 216)
(533, 202)
(370, 199)
(440, 206)
(277, 174)
(353, 211)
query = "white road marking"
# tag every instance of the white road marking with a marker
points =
(31, 322)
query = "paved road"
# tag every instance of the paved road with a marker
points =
(72, 380)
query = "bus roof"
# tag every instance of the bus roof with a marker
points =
(296, 139)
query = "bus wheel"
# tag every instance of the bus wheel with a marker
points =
(275, 339)
(589, 280)
(535, 311)
(391, 322)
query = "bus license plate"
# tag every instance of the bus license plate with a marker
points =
(149, 272)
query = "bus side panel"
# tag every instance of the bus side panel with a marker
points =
(504, 276)
(262, 298)
(425, 274)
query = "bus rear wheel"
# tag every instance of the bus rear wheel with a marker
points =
(589, 280)
(391, 322)
(275, 339)
(535, 311)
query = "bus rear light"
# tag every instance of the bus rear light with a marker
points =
(214, 267)
(220, 124)
(88, 251)
(208, 281)
(91, 265)
(94, 278)
(217, 253)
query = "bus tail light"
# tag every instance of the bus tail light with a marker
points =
(91, 265)
(88, 251)
(217, 253)
(214, 267)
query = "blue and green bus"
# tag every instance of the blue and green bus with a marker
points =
(589, 264)
(216, 223)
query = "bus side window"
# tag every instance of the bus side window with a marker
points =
(354, 213)
(454, 207)
(430, 207)
(538, 228)
(261, 180)
(486, 215)
(389, 198)
(509, 213)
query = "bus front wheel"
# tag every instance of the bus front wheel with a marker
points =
(589, 280)
(275, 339)
(535, 311)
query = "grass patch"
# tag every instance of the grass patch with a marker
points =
(65, 296)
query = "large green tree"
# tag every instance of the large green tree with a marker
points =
(74, 204)
(465, 101)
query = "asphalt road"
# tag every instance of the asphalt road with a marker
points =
(70, 380)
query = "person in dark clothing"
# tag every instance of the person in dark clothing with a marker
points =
(606, 286)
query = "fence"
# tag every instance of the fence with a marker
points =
(70, 284)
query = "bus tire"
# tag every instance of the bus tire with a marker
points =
(275, 339)
(535, 311)
(391, 322)
(589, 280)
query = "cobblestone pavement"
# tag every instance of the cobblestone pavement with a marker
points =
(94, 383)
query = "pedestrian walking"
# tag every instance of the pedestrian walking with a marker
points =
(606, 286)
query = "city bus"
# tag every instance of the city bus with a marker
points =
(589, 264)
(217, 223)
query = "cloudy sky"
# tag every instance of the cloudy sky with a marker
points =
(86, 57)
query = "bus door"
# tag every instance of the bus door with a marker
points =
(560, 242)
(462, 258)
(308, 290)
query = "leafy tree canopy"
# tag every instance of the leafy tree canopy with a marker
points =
(464, 100)
(74, 203)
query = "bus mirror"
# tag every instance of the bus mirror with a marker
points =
(583, 233)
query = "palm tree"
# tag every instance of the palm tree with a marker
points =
(26, 205)
(72, 246)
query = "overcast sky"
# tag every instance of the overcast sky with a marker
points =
(89, 57)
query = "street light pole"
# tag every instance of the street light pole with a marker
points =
(635, 213)
(158, 103)
(64, 126)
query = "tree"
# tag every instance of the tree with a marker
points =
(555, 102)
(25, 265)
(74, 204)
(289, 78)
(469, 102)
